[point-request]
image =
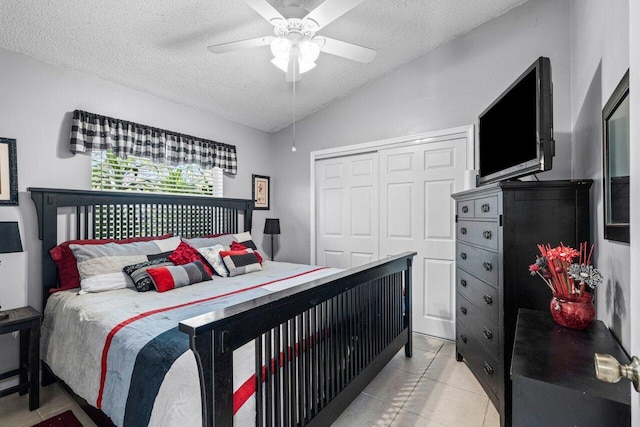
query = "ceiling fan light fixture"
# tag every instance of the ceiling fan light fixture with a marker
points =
(309, 51)
(281, 48)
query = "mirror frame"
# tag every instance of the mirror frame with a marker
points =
(615, 200)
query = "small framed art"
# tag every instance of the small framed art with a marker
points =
(261, 192)
(8, 172)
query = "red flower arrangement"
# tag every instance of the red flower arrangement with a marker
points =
(562, 275)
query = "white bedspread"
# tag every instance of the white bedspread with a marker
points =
(91, 341)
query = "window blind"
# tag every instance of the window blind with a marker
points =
(111, 173)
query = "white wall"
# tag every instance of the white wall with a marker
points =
(634, 292)
(599, 59)
(445, 88)
(36, 107)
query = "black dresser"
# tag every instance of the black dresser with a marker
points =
(498, 228)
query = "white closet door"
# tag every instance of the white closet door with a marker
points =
(347, 210)
(417, 214)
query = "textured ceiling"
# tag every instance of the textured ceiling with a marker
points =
(159, 47)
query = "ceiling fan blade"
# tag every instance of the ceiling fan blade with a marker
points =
(268, 12)
(331, 10)
(345, 50)
(240, 44)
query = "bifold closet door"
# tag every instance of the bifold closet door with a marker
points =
(417, 213)
(347, 210)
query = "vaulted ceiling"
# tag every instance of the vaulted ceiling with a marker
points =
(160, 47)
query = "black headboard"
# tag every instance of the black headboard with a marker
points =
(120, 215)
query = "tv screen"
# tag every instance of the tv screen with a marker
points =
(516, 130)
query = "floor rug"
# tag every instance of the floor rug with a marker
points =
(65, 419)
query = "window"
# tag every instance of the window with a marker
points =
(110, 173)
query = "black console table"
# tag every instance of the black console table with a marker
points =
(554, 379)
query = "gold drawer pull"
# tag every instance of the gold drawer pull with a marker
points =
(465, 209)
(463, 283)
(463, 230)
(485, 207)
(487, 266)
(487, 299)
(486, 234)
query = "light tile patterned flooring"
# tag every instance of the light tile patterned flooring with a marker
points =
(429, 390)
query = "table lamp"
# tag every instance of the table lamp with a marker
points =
(272, 226)
(9, 242)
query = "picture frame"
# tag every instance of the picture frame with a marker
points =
(616, 140)
(8, 172)
(261, 192)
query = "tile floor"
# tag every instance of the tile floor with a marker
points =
(429, 390)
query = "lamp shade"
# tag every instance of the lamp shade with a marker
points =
(10, 238)
(272, 226)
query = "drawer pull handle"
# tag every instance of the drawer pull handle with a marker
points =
(487, 266)
(463, 255)
(487, 299)
(463, 338)
(486, 234)
(465, 209)
(463, 283)
(488, 369)
(485, 207)
(463, 309)
(463, 230)
(487, 333)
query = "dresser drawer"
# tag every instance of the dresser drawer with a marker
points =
(485, 297)
(479, 262)
(465, 209)
(486, 207)
(481, 233)
(484, 366)
(485, 331)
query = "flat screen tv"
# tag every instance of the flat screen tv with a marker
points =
(515, 135)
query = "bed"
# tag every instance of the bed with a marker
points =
(289, 344)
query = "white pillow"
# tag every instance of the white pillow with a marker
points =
(100, 266)
(212, 255)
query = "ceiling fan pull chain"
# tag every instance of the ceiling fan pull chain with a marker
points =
(293, 148)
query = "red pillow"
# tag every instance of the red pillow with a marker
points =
(62, 255)
(237, 246)
(184, 254)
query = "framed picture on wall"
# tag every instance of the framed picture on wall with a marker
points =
(261, 192)
(8, 172)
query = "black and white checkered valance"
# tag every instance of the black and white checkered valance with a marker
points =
(92, 132)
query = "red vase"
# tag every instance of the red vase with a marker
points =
(574, 312)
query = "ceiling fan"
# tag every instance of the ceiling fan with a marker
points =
(295, 45)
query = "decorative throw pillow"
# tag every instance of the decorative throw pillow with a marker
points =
(240, 262)
(185, 254)
(62, 255)
(235, 246)
(212, 255)
(245, 239)
(203, 242)
(177, 276)
(139, 275)
(100, 266)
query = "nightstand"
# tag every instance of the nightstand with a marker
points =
(27, 321)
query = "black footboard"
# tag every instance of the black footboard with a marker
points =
(316, 346)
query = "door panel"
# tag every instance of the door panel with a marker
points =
(417, 214)
(347, 215)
